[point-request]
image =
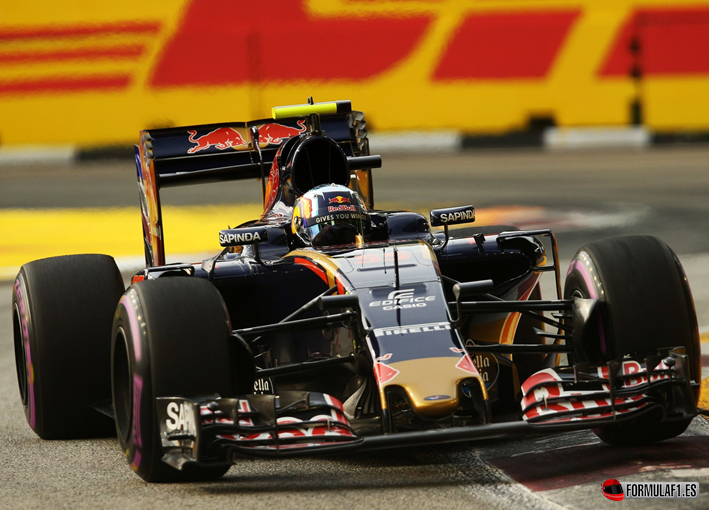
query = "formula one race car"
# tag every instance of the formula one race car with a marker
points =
(327, 325)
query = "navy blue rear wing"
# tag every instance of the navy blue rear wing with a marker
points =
(228, 151)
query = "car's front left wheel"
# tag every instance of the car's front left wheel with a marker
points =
(170, 338)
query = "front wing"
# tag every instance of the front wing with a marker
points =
(601, 394)
(209, 429)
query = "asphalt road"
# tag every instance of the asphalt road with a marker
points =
(584, 196)
(661, 191)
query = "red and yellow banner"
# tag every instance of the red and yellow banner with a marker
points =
(95, 73)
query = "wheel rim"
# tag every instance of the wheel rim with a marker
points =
(122, 386)
(20, 356)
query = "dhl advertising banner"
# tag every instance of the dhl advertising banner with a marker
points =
(95, 73)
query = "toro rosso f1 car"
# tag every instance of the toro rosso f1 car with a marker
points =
(330, 326)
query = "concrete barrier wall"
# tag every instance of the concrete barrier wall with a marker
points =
(95, 73)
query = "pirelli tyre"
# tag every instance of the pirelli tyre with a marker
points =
(645, 304)
(62, 311)
(170, 338)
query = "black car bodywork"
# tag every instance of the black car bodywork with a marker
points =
(420, 337)
(418, 334)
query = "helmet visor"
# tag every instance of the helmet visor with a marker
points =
(335, 229)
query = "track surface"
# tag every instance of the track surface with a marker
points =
(583, 196)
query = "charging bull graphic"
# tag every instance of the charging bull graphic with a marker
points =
(225, 138)
(339, 200)
(466, 363)
(382, 371)
(276, 133)
(221, 138)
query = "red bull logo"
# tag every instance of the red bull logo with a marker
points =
(465, 364)
(340, 200)
(222, 138)
(383, 372)
(275, 134)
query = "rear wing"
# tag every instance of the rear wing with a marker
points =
(230, 151)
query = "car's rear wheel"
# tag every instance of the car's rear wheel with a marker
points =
(170, 338)
(62, 314)
(645, 304)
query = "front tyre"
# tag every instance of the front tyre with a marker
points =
(170, 338)
(645, 304)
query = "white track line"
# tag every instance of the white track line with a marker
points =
(487, 483)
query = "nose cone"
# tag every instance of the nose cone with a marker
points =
(431, 385)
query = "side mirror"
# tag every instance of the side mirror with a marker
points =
(363, 162)
(452, 216)
(242, 236)
(467, 289)
(339, 301)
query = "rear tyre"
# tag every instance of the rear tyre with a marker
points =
(62, 314)
(170, 338)
(645, 304)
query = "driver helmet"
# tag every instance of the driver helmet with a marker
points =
(330, 215)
